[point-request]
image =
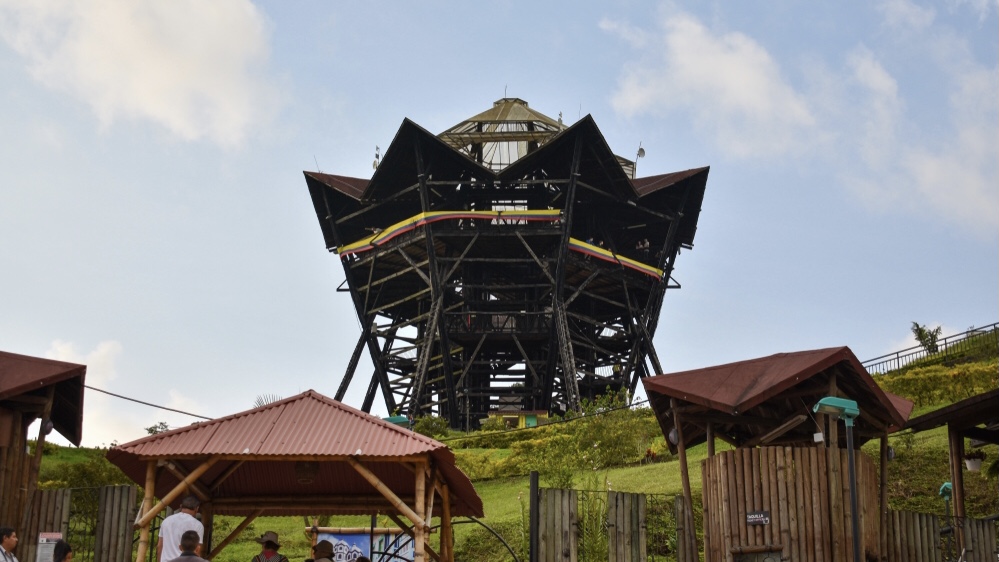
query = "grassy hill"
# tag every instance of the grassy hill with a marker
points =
(614, 451)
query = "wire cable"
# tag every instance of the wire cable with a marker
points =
(147, 403)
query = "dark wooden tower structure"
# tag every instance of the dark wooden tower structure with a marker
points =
(510, 262)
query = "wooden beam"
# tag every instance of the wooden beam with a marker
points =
(409, 531)
(777, 431)
(387, 493)
(419, 537)
(225, 475)
(36, 459)
(181, 475)
(234, 534)
(176, 491)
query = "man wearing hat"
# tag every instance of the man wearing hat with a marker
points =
(269, 546)
(323, 551)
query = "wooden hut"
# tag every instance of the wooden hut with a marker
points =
(784, 488)
(304, 455)
(33, 388)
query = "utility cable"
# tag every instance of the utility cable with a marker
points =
(147, 403)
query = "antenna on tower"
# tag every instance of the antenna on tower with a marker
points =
(317, 163)
(378, 158)
(639, 154)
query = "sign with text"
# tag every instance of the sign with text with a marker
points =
(758, 518)
(46, 545)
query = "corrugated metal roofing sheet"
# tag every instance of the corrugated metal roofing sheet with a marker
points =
(308, 426)
(23, 374)
(352, 187)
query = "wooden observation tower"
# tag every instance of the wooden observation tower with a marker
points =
(508, 263)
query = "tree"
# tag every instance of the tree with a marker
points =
(158, 427)
(927, 337)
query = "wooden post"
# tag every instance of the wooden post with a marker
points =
(36, 459)
(711, 439)
(447, 540)
(419, 537)
(690, 536)
(883, 497)
(957, 479)
(147, 504)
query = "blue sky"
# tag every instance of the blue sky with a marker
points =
(155, 225)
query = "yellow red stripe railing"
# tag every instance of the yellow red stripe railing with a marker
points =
(407, 225)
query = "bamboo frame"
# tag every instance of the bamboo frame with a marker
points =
(181, 475)
(233, 534)
(176, 491)
(147, 502)
(388, 494)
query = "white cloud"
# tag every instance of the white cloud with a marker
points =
(853, 116)
(102, 421)
(728, 83)
(195, 68)
(107, 419)
(951, 174)
(905, 14)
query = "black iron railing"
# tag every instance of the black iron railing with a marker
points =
(974, 344)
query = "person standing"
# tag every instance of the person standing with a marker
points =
(8, 542)
(62, 552)
(323, 551)
(173, 528)
(269, 546)
(190, 541)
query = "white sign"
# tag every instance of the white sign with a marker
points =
(46, 545)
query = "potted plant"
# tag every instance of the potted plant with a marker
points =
(973, 460)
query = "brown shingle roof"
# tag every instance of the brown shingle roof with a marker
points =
(742, 388)
(23, 374)
(308, 426)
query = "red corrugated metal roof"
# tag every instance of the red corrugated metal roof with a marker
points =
(307, 426)
(23, 374)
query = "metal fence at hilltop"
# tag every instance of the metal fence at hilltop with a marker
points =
(973, 344)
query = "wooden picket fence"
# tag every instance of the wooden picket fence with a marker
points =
(104, 536)
(49, 513)
(620, 519)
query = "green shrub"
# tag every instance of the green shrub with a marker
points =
(941, 384)
(432, 426)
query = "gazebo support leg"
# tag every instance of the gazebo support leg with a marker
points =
(147, 504)
(419, 537)
(177, 490)
(688, 511)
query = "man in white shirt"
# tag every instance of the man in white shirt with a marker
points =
(172, 529)
(8, 542)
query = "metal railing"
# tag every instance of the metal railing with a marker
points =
(973, 344)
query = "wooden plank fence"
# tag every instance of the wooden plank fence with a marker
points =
(48, 513)
(557, 536)
(116, 510)
(626, 527)
(981, 539)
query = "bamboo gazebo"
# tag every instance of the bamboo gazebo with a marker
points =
(304, 455)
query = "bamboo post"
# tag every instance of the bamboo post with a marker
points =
(177, 490)
(690, 536)
(447, 540)
(419, 537)
(387, 493)
(147, 502)
(957, 478)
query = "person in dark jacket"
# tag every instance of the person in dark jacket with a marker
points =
(190, 542)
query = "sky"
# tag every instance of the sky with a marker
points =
(155, 224)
